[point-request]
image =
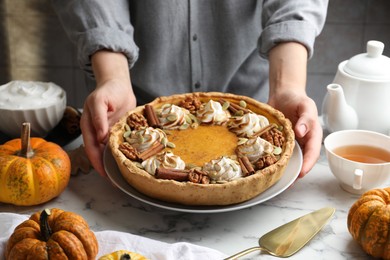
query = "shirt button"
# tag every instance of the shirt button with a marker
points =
(194, 37)
(197, 84)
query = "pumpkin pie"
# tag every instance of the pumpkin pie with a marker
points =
(204, 148)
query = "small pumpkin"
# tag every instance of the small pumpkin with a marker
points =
(123, 255)
(52, 234)
(369, 222)
(32, 170)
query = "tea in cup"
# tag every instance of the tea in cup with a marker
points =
(359, 159)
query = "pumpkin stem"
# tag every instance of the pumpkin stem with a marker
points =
(26, 151)
(125, 256)
(44, 225)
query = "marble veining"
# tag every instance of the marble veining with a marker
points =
(107, 208)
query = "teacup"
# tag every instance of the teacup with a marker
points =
(359, 159)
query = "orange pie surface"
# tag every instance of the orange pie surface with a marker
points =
(203, 144)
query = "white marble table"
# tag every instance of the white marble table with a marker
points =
(106, 207)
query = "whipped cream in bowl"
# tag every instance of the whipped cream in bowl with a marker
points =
(42, 104)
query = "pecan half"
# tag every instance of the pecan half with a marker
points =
(192, 104)
(129, 151)
(136, 121)
(274, 136)
(197, 176)
(265, 161)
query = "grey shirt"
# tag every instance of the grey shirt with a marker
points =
(176, 46)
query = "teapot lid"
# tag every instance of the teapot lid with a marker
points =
(371, 65)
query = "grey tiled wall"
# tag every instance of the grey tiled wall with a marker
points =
(33, 46)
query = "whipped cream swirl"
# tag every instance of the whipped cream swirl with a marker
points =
(20, 94)
(144, 138)
(254, 148)
(172, 116)
(165, 160)
(223, 169)
(213, 113)
(248, 124)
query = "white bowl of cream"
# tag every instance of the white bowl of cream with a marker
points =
(42, 104)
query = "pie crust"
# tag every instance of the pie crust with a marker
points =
(189, 193)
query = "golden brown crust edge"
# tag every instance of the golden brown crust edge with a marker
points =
(204, 194)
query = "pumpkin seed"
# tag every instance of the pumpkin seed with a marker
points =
(234, 167)
(277, 150)
(193, 118)
(212, 174)
(242, 103)
(194, 125)
(127, 134)
(172, 117)
(170, 145)
(225, 105)
(164, 141)
(241, 140)
(217, 167)
(239, 113)
(127, 127)
(184, 126)
(188, 119)
(165, 106)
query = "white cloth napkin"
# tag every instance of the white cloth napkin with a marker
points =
(110, 241)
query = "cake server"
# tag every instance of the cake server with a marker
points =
(286, 240)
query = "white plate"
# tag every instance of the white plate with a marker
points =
(291, 173)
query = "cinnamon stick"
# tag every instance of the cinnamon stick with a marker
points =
(154, 149)
(234, 108)
(246, 166)
(151, 116)
(264, 130)
(171, 174)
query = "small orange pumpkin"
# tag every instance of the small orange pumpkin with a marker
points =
(369, 222)
(32, 170)
(52, 234)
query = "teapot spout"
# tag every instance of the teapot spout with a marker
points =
(338, 115)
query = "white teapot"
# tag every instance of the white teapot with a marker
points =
(359, 97)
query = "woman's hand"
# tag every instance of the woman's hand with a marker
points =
(288, 63)
(111, 99)
(302, 112)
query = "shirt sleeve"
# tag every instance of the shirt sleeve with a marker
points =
(291, 20)
(96, 25)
